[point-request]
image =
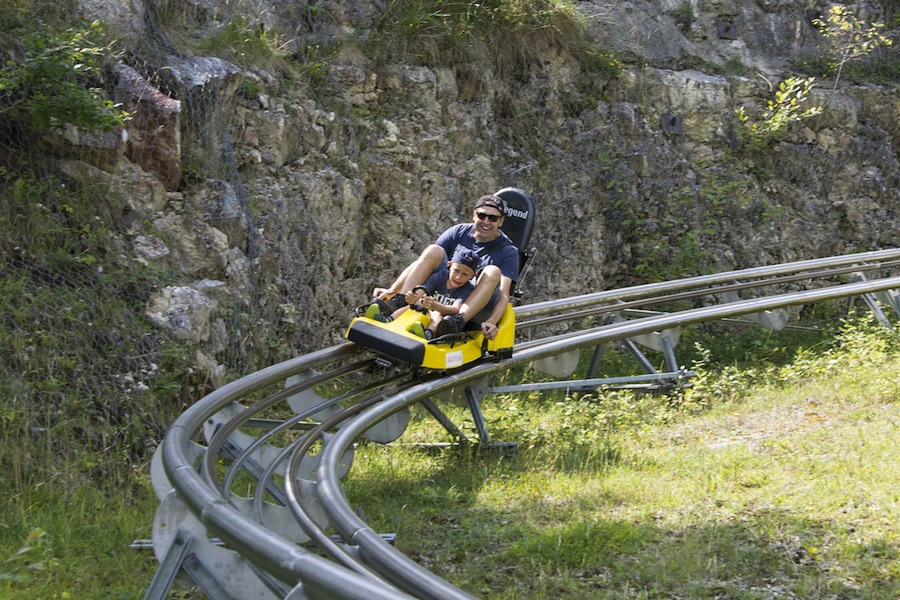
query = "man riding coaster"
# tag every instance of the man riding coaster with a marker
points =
(497, 272)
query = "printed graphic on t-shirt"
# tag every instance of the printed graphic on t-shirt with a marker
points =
(443, 299)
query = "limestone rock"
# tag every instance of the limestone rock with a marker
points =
(154, 140)
(182, 311)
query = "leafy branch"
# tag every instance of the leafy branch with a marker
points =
(54, 82)
(849, 37)
(786, 108)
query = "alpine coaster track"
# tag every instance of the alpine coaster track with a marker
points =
(249, 477)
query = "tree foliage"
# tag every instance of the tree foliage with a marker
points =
(785, 108)
(55, 81)
(849, 38)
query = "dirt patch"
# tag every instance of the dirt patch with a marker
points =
(754, 427)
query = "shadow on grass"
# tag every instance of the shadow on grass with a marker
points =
(489, 527)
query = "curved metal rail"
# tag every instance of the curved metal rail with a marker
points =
(253, 510)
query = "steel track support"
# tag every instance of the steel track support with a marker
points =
(639, 356)
(473, 396)
(586, 385)
(669, 353)
(445, 421)
(667, 347)
(475, 408)
(595, 361)
(871, 301)
(178, 558)
(473, 400)
(873, 305)
(233, 451)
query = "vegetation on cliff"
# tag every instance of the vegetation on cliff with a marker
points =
(89, 384)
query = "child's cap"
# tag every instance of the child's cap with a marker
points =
(464, 256)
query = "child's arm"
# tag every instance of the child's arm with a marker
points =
(432, 304)
(416, 294)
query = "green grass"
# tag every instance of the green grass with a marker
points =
(787, 490)
(84, 551)
(514, 33)
(76, 432)
(780, 483)
(247, 44)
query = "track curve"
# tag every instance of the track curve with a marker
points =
(254, 509)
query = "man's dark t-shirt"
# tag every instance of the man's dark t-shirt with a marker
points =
(500, 252)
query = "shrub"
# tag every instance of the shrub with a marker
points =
(453, 32)
(786, 108)
(849, 37)
(55, 81)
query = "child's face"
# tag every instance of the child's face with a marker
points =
(459, 275)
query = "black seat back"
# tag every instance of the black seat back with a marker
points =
(519, 222)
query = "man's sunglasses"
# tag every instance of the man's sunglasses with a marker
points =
(487, 217)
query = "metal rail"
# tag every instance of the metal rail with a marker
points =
(259, 545)
(863, 260)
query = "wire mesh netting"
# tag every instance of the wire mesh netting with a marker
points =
(113, 312)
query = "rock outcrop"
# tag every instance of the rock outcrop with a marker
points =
(304, 195)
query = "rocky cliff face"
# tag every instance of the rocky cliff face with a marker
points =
(300, 198)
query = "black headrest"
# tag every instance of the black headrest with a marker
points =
(520, 214)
